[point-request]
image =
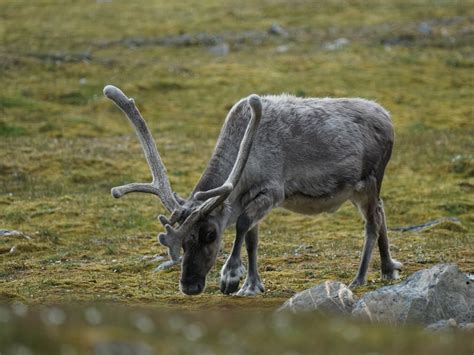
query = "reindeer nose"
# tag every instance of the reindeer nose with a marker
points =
(192, 289)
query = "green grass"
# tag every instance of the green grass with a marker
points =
(63, 145)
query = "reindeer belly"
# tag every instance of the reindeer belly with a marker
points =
(310, 205)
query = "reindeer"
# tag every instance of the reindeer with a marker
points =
(307, 155)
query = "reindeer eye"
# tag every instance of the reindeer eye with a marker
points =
(207, 234)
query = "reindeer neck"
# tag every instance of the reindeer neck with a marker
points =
(226, 150)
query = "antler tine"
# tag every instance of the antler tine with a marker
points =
(160, 186)
(173, 218)
(214, 199)
(226, 188)
(173, 238)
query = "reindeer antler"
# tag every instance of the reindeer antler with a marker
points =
(173, 238)
(160, 186)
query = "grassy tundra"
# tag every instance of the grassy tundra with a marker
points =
(63, 145)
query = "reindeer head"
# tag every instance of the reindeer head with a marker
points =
(194, 224)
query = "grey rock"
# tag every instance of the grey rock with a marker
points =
(425, 28)
(277, 30)
(330, 297)
(450, 324)
(10, 233)
(337, 44)
(443, 324)
(220, 50)
(13, 233)
(426, 297)
(405, 39)
(152, 258)
(428, 225)
(282, 49)
(466, 326)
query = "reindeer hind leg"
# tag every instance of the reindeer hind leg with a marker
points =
(366, 201)
(390, 267)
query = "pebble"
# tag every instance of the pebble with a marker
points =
(220, 50)
(337, 44)
(282, 49)
(277, 30)
(425, 28)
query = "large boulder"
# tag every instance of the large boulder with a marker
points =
(446, 324)
(330, 297)
(425, 297)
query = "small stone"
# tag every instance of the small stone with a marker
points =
(7, 232)
(277, 30)
(425, 28)
(152, 258)
(13, 233)
(13, 249)
(337, 44)
(220, 50)
(282, 49)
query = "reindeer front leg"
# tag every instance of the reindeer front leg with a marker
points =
(232, 271)
(252, 285)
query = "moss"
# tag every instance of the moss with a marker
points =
(11, 130)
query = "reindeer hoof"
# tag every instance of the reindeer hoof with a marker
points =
(392, 271)
(356, 283)
(251, 288)
(230, 278)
